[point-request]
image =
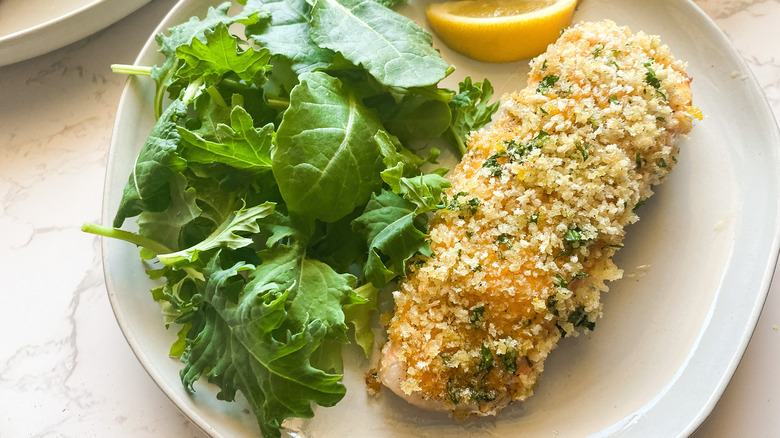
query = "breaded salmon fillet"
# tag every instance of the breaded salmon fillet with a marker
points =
(538, 207)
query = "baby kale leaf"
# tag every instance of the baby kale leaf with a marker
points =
(391, 47)
(326, 161)
(471, 110)
(148, 188)
(219, 55)
(228, 235)
(261, 337)
(387, 224)
(286, 34)
(239, 145)
(183, 34)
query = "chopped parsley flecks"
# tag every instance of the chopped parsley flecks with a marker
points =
(579, 318)
(503, 239)
(572, 235)
(455, 203)
(650, 76)
(484, 395)
(580, 275)
(583, 150)
(486, 364)
(515, 151)
(597, 50)
(560, 281)
(477, 315)
(639, 161)
(546, 84)
(540, 136)
(572, 239)
(473, 204)
(652, 79)
(453, 392)
(509, 360)
(518, 151)
(492, 164)
(552, 303)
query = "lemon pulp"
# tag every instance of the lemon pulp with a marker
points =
(499, 30)
(497, 8)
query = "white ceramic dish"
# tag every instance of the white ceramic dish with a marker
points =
(29, 28)
(698, 266)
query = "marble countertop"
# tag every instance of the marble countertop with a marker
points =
(66, 369)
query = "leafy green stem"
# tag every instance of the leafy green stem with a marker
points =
(127, 236)
(216, 97)
(159, 94)
(192, 91)
(189, 95)
(365, 289)
(459, 140)
(127, 69)
(278, 103)
(233, 84)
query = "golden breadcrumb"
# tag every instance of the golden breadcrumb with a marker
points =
(538, 207)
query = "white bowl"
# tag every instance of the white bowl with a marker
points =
(29, 28)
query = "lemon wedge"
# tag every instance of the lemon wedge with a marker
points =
(499, 30)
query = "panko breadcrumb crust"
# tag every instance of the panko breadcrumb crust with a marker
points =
(537, 208)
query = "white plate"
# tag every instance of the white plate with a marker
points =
(29, 28)
(698, 267)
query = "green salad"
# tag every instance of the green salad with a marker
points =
(279, 189)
